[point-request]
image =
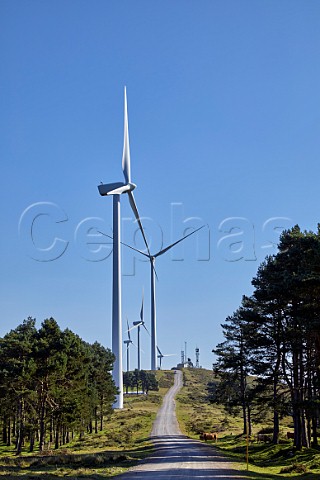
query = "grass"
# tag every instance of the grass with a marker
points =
(273, 461)
(123, 442)
(194, 412)
(266, 461)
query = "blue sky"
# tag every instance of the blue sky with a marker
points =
(224, 121)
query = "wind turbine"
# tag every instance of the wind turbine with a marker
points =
(152, 259)
(116, 189)
(128, 342)
(140, 323)
(161, 356)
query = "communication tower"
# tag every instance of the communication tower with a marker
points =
(197, 357)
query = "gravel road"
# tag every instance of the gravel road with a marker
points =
(178, 457)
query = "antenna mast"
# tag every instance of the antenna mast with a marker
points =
(197, 357)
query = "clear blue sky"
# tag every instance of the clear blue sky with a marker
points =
(224, 120)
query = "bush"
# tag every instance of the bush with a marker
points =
(295, 468)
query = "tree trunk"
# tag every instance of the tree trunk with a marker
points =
(42, 427)
(5, 430)
(276, 422)
(31, 446)
(14, 426)
(244, 415)
(21, 428)
(249, 421)
(314, 431)
(101, 413)
(9, 433)
(56, 440)
(276, 427)
(96, 420)
(51, 429)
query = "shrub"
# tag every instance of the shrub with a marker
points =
(295, 468)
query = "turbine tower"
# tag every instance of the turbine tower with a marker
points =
(116, 189)
(152, 259)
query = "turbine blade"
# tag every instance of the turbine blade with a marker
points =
(125, 244)
(128, 330)
(136, 213)
(141, 311)
(164, 250)
(126, 147)
(146, 329)
(152, 261)
(159, 351)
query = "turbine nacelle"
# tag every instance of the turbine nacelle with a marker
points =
(115, 188)
(137, 323)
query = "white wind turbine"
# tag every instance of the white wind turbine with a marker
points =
(161, 356)
(128, 343)
(152, 259)
(116, 189)
(138, 324)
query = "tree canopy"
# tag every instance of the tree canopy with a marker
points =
(52, 385)
(275, 337)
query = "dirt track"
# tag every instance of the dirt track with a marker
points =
(178, 457)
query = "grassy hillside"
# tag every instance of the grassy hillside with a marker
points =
(124, 441)
(266, 461)
(195, 413)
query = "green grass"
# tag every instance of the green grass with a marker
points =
(123, 442)
(194, 412)
(273, 461)
(266, 461)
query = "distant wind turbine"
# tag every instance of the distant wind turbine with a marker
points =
(140, 323)
(128, 343)
(152, 259)
(116, 189)
(161, 356)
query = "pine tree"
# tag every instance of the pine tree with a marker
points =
(17, 382)
(232, 366)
